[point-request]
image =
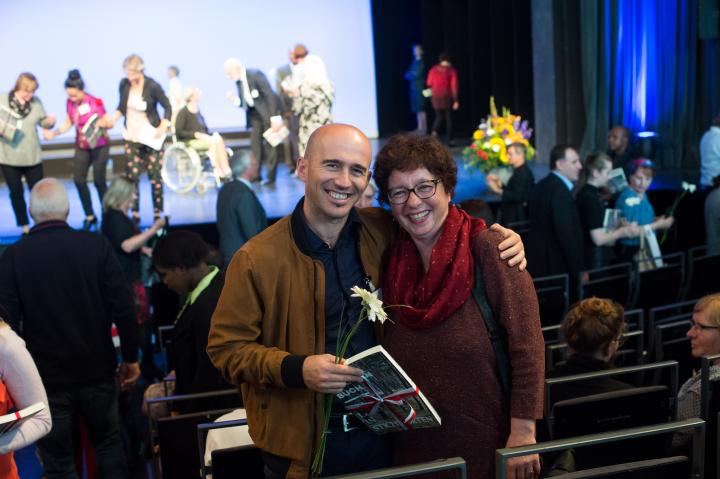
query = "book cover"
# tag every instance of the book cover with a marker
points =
(91, 131)
(10, 122)
(387, 400)
(12, 420)
(617, 180)
(611, 221)
(274, 138)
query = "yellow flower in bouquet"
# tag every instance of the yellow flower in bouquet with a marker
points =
(490, 141)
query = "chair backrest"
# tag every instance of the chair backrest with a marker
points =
(663, 468)
(668, 313)
(709, 408)
(672, 344)
(695, 426)
(227, 463)
(658, 286)
(635, 375)
(702, 273)
(454, 465)
(613, 282)
(553, 294)
(551, 334)
(635, 319)
(177, 437)
(610, 412)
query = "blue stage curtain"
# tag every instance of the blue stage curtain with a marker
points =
(646, 63)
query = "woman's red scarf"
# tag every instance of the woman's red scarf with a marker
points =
(427, 298)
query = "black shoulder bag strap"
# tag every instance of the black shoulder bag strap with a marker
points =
(498, 335)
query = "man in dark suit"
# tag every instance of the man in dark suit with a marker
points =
(513, 205)
(256, 96)
(64, 289)
(555, 244)
(240, 216)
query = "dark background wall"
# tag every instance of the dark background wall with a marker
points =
(489, 42)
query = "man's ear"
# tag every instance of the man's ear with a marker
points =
(302, 168)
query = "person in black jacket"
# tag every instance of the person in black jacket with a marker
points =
(240, 215)
(556, 244)
(144, 129)
(66, 289)
(256, 96)
(514, 195)
(180, 259)
(593, 329)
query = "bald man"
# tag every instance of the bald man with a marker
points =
(619, 148)
(275, 329)
(66, 288)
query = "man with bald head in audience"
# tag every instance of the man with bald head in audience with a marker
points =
(275, 328)
(63, 289)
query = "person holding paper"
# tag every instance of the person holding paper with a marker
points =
(20, 154)
(20, 387)
(190, 128)
(145, 130)
(276, 325)
(591, 207)
(440, 324)
(82, 108)
(635, 208)
(256, 96)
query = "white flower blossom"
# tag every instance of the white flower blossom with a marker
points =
(371, 303)
(632, 201)
(688, 187)
(490, 132)
(496, 148)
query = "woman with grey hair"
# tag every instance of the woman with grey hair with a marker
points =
(129, 243)
(139, 99)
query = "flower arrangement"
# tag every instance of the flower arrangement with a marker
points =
(685, 189)
(372, 310)
(488, 150)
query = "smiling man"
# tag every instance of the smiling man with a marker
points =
(276, 325)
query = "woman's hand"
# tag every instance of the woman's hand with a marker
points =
(663, 222)
(522, 433)
(49, 134)
(494, 183)
(48, 121)
(512, 247)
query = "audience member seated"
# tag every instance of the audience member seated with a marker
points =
(635, 207)
(593, 329)
(180, 259)
(20, 387)
(190, 128)
(368, 197)
(514, 196)
(129, 243)
(704, 337)
(619, 148)
(712, 218)
(591, 207)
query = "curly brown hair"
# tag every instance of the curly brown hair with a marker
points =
(591, 324)
(404, 152)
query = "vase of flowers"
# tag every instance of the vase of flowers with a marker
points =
(488, 150)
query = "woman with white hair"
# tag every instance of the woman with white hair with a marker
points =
(313, 99)
(139, 99)
(190, 128)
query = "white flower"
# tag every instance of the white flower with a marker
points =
(632, 201)
(508, 141)
(372, 304)
(490, 132)
(688, 187)
(496, 148)
(486, 145)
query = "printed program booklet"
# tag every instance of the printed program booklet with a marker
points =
(10, 122)
(387, 400)
(91, 131)
(9, 421)
(617, 180)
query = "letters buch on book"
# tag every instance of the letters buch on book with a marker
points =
(387, 400)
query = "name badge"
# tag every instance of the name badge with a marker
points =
(84, 109)
(254, 93)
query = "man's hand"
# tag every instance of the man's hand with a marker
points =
(512, 247)
(127, 375)
(322, 374)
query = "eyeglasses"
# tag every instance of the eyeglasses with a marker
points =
(701, 327)
(424, 190)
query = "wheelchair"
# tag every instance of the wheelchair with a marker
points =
(185, 168)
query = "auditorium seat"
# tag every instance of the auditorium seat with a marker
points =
(674, 467)
(703, 277)
(227, 463)
(553, 294)
(659, 286)
(613, 282)
(672, 344)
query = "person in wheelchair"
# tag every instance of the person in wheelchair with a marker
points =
(191, 129)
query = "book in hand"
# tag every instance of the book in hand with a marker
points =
(617, 180)
(10, 122)
(91, 131)
(387, 400)
(612, 218)
(274, 138)
(12, 420)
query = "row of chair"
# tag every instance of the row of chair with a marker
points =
(679, 278)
